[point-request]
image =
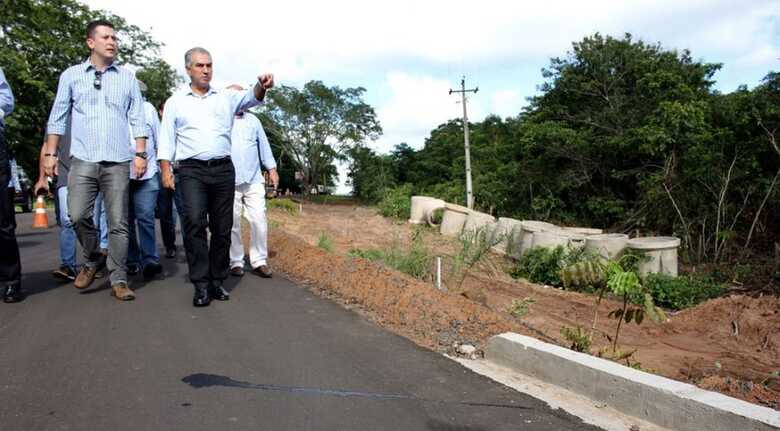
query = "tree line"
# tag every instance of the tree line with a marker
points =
(623, 135)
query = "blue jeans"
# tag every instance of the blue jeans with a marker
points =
(100, 221)
(85, 179)
(67, 233)
(143, 199)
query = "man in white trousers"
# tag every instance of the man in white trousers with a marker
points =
(250, 149)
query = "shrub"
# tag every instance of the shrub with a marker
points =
(397, 202)
(325, 242)
(541, 265)
(286, 205)
(437, 216)
(474, 246)
(579, 339)
(681, 292)
(520, 308)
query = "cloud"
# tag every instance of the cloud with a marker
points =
(507, 103)
(301, 40)
(417, 104)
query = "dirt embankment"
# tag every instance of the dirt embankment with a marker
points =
(730, 344)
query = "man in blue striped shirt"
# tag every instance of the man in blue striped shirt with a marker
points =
(10, 265)
(250, 149)
(195, 132)
(103, 100)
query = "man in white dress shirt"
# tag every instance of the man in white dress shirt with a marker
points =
(195, 133)
(250, 149)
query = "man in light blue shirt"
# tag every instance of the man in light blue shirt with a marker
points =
(195, 132)
(103, 101)
(250, 149)
(10, 265)
(142, 254)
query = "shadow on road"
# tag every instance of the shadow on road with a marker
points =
(436, 425)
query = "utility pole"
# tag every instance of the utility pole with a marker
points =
(463, 91)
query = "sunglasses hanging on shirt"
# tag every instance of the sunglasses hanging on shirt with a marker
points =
(97, 83)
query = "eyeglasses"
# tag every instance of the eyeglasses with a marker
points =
(97, 83)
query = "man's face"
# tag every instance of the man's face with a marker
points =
(103, 42)
(200, 70)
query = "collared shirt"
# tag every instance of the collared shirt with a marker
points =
(250, 147)
(6, 98)
(198, 127)
(152, 123)
(99, 118)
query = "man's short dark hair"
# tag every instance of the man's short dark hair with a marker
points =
(95, 24)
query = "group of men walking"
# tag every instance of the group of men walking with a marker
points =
(107, 141)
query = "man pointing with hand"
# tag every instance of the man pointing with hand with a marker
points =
(196, 134)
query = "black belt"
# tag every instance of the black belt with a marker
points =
(206, 163)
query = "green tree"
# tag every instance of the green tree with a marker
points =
(160, 79)
(317, 124)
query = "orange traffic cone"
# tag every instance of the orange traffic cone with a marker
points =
(40, 219)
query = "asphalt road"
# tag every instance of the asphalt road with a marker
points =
(274, 357)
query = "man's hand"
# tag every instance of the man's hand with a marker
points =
(167, 175)
(49, 165)
(140, 167)
(41, 184)
(274, 177)
(266, 81)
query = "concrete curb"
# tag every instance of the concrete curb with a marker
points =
(665, 402)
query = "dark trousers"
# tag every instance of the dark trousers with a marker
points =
(10, 264)
(206, 195)
(167, 216)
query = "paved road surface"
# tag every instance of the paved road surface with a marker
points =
(274, 357)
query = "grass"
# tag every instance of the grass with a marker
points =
(416, 261)
(286, 205)
(521, 307)
(325, 242)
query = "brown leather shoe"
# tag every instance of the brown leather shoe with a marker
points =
(121, 292)
(86, 277)
(263, 271)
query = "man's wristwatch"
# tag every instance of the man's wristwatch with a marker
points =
(141, 154)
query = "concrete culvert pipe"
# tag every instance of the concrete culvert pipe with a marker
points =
(527, 230)
(477, 220)
(435, 216)
(587, 231)
(661, 251)
(549, 239)
(608, 245)
(453, 220)
(508, 232)
(422, 207)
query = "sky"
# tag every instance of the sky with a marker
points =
(408, 54)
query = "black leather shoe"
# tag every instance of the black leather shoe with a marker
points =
(237, 271)
(13, 293)
(170, 253)
(201, 298)
(133, 269)
(151, 270)
(219, 293)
